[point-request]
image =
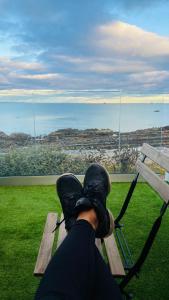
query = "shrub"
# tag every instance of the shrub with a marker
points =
(48, 160)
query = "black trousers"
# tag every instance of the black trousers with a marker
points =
(77, 271)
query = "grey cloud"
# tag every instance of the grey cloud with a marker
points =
(59, 25)
(54, 23)
(44, 30)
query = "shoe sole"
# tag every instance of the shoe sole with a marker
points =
(112, 224)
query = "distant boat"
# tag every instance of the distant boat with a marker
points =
(156, 110)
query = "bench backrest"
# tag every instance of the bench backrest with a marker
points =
(156, 182)
(161, 187)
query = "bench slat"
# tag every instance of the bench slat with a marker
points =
(45, 250)
(99, 245)
(115, 262)
(62, 232)
(161, 187)
(157, 156)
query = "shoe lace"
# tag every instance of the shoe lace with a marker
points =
(94, 190)
(67, 198)
(58, 224)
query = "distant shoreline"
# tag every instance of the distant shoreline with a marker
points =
(75, 139)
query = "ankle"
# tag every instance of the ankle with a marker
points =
(90, 216)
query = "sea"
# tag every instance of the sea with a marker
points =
(40, 119)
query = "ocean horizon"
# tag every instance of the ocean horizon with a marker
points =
(41, 119)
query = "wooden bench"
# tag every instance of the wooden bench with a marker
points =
(162, 188)
(120, 265)
(45, 250)
(46, 247)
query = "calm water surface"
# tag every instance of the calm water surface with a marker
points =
(40, 118)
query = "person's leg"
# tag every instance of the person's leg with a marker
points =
(70, 274)
(107, 288)
(77, 270)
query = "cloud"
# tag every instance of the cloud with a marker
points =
(114, 66)
(7, 64)
(126, 39)
(82, 96)
(23, 92)
(54, 23)
(37, 76)
(80, 45)
(98, 63)
(150, 77)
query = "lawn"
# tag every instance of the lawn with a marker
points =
(23, 212)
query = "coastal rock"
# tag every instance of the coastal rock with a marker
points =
(3, 135)
(20, 136)
(90, 139)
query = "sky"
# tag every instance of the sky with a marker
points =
(103, 49)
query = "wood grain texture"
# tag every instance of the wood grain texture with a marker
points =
(115, 262)
(99, 245)
(62, 232)
(45, 250)
(161, 158)
(161, 187)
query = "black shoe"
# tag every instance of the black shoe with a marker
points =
(69, 190)
(96, 188)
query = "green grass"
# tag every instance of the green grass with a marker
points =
(23, 212)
